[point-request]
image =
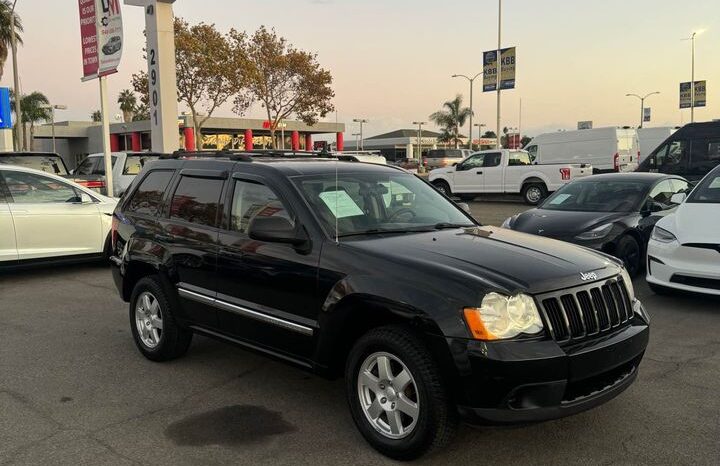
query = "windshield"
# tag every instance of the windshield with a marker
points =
(363, 203)
(597, 196)
(47, 163)
(708, 191)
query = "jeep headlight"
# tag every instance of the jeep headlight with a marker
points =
(500, 317)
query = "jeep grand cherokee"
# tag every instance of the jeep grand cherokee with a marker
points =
(367, 272)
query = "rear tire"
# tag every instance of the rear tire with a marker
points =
(534, 193)
(152, 322)
(630, 252)
(412, 382)
(467, 197)
(443, 187)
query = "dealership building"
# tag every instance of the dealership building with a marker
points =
(76, 139)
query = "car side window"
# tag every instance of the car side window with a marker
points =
(100, 167)
(492, 160)
(86, 166)
(676, 155)
(532, 152)
(661, 193)
(197, 200)
(250, 200)
(474, 161)
(147, 198)
(30, 188)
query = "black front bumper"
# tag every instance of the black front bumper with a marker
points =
(529, 381)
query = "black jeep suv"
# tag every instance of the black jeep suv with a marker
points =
(367, 271)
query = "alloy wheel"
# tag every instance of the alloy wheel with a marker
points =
(388, 395)
(148, 319)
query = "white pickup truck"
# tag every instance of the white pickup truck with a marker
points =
(505, 171)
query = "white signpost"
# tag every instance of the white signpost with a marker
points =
(162, 79)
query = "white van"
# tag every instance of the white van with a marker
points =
(651, 138)
(606, 149)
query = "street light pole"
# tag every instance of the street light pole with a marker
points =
(52, 109)
(419, 137)
(642, 104)
(497, 134)
(362, 140)
(472, 110)
(692, 80)
(357, 141)
(16, 80)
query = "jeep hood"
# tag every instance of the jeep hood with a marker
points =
(502, 258)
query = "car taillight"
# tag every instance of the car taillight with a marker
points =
(565, 173)
(616, 162)
(114, 232)
(92, 184)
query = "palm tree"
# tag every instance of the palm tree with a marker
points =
(452, 116)
(34, 110)
(127, 102)
(96, 116)
(6, 30)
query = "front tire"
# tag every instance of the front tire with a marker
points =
(152, 322)
(443, 187)
(630, 252)
(534, 193)
(396, 394)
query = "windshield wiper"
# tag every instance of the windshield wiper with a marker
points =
(381, 231)
(448, 225)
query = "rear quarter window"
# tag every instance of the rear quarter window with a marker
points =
(147, 198)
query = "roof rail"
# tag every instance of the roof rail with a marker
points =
(247, 156)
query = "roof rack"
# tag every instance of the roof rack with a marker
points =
(247, 156)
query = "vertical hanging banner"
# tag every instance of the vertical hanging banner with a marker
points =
(490, 71)
(646, 114)
(507, 68)
(685, 95)
(101, 34)
(700, 93)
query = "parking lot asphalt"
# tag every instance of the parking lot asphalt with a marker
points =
(75, 390)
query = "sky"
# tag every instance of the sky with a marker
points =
(392, 60)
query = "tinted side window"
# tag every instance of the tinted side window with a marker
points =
(100, 167)
(147, 198)
(492, 160)
(704, 156)
(252, 200)
(196, 200)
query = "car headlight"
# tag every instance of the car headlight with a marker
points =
(662, 235)
(500, 317)
(628, 284)
(597, 233)
(508, 222)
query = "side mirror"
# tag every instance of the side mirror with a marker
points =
(678, 198)
(455, 164)
(464, 206)
(276, 230)
(651, 207)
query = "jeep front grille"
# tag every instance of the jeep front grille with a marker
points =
(575, 314)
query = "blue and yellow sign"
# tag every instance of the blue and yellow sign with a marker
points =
(507, 68)
(490, 71)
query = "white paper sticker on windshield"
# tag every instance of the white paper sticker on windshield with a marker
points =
(560, 198)
(340, 204)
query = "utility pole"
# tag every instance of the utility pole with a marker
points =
(499, 45)
(16, 81)
(357, 141)
(692, 80)
(52, 109)
(642, 104)
(419, 137)
(472, 111)
(361, 121)
(520, 125)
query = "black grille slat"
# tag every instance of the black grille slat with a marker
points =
(575, 314)
(577, 327)
(588, 312)
(556, 319)
(601, 308)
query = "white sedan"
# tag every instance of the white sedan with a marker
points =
(684, 249)
(45, 217)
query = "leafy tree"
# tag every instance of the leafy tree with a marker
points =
(128, 104)
(96, 116)
(33, 111)
(6, 31)
(489, 134)
(139, 82)
(525, 141)
(286, 81)
(452, 116)
(210, 68)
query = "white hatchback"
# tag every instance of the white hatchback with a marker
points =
(46, 217)
(684, 248)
